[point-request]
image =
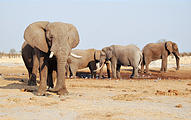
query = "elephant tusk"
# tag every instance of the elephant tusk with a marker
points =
(74, 55)
(51, 54)
(97, 65)
(99, 68)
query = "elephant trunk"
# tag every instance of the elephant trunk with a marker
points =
(176, 54)
(177, 60)
(60, 84)
(61, 56)
(102, 65)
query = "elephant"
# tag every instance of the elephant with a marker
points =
(27, 53)
(51, 39)
(119, 55)
(155, 51)
(89, 59)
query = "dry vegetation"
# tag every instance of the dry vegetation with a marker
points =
(155, 96)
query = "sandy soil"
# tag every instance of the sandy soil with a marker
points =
(155, 96)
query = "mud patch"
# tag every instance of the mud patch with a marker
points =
(179, 106)
(170, 93)
(128, 97)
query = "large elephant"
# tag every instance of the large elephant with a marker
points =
(50, 39)
(89, 59)
(155, 51)
(129, 55)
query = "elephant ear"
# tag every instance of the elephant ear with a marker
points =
(169, 46)
(35, 35)
(109, 52)
(175, 47)
(97, 54)
(73, 36)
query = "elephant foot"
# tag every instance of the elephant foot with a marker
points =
(63, 92)
(41, 93)
(134, 76)
(32, 83)
(50, 86)
(162, 71)
(140, 71)
(32, 80)
(53, 90)
(73, 77)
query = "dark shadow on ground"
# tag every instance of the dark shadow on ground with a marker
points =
(16, 79)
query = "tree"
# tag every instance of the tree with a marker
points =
(12, 51)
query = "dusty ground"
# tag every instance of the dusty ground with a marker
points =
(155, 96)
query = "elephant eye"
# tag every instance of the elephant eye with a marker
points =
(51, 37)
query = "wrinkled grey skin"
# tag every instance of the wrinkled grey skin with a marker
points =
(155, 51)
(89, 58)
(56, 37)
(27, 53)
(129, 55)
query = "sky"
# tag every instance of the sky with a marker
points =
(101, 23)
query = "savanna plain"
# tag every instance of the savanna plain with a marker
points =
(154, 96)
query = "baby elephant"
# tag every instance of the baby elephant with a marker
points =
(129, 55)
(155, 51)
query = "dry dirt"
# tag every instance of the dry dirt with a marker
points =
(155, 96)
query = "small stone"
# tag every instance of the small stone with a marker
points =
(178, 106)
(80, 95)
(32, 98)
(189, 84)
(134, 90)
(124, 90)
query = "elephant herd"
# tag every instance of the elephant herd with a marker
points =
(48, 47)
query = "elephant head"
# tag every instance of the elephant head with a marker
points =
(105, 55)
(97, 55)
(58, 38)
(173, 48)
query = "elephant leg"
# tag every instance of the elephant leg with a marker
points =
(113, 68)
(43, 74)
(92, 67)
(29, 72)
(73, 69)
(67, 71)
(118, 71)
(50, 78)
(147, 62)
(164, 64)
(54, 76)
(33, 75)
(108, 70)
(134, 72)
